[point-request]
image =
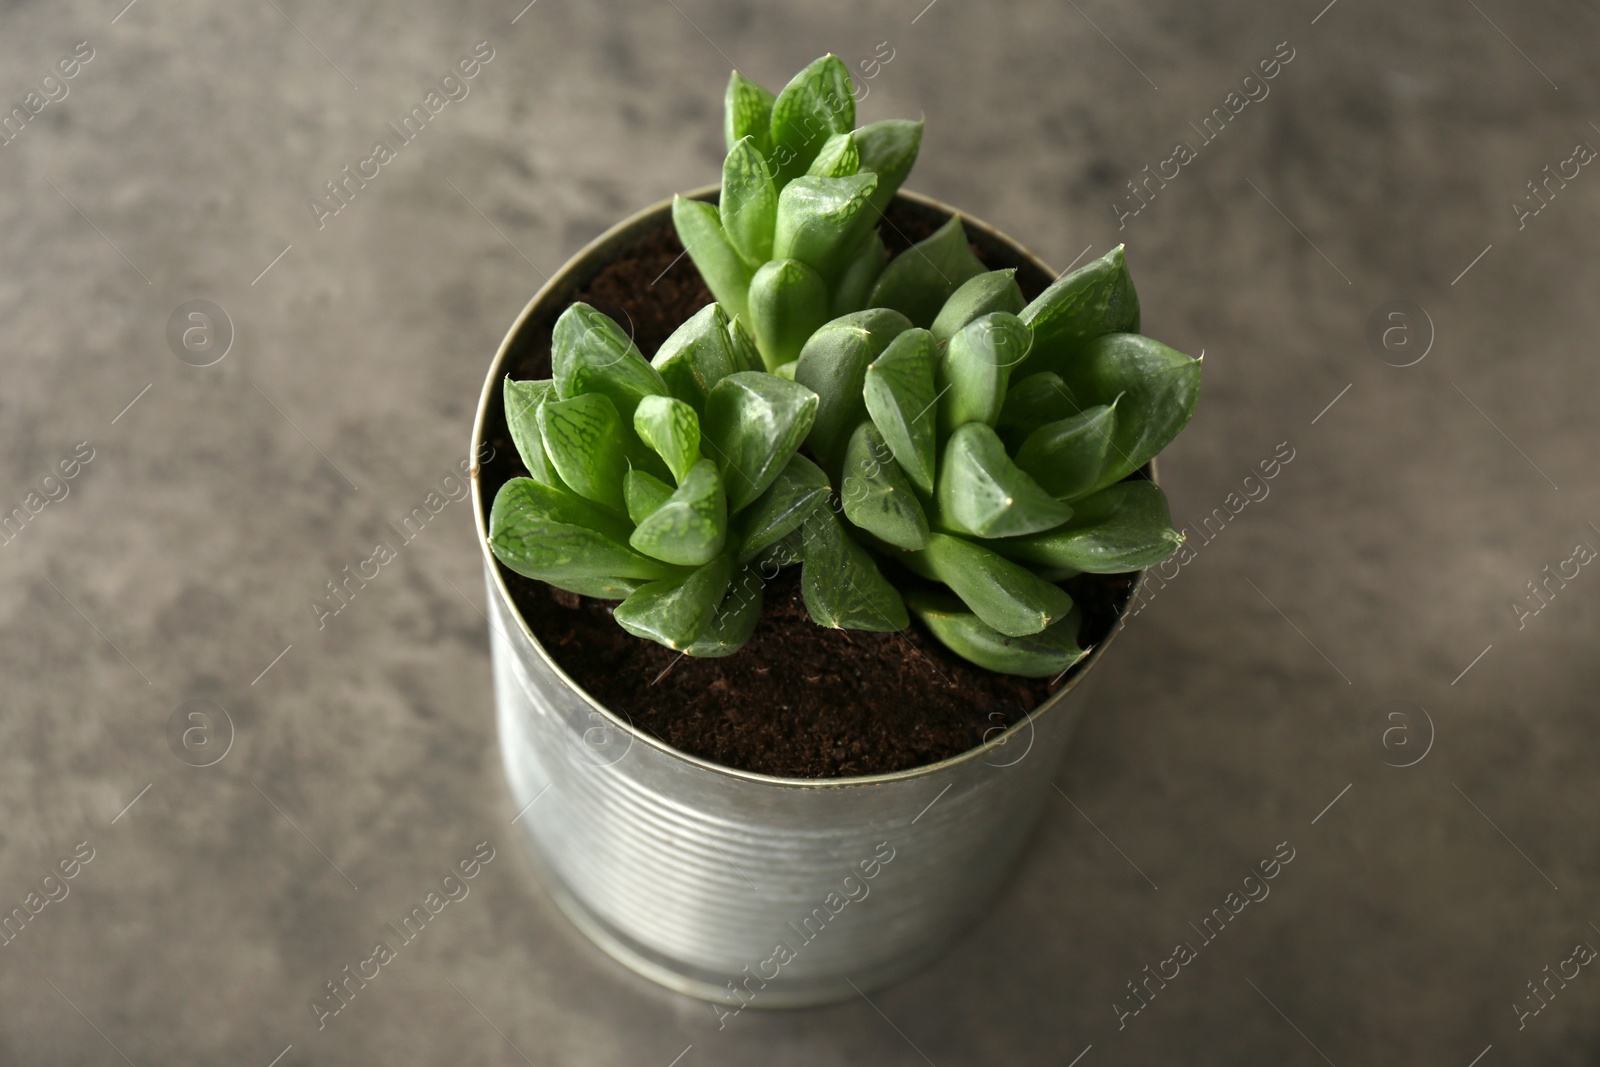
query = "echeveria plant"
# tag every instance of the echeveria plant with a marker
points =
(793, 241)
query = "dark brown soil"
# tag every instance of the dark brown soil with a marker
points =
(799, 700)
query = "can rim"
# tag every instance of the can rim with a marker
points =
(489, 397)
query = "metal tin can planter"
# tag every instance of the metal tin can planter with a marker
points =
(742, 888)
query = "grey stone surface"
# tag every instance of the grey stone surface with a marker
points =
(185, 556)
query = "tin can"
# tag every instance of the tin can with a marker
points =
(744, 889)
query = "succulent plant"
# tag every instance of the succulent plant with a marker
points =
(990, 450)
(793, 241)
(670, 485)
(968, 449)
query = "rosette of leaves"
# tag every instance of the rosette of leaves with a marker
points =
(990, 446)
(661, 484)
(792, 241)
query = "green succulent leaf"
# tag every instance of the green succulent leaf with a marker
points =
(697, 355)
(900, 392)
(1032, 402)
(522, 401)
(736, 618)
(977, 368)
(691, 526)
(672, 428)
(1158, 387)
(821, 219)
(747, 112)
(644, 492)
(838, 158)
(583, 437)
(919, 280)
(877, 495)
(817, 102)
(754, 423)
(726, 273)
(797, 491)
(589, 353)
(599, 588)
(788, 302)
(784, 552)
(833, 364)
(1041, 655)
(980, 491)
(675, 612)
(746, 356)
(994, 290)
(1096, 299)
(1008, 597)
(554, 536)
(858, 275)
(749, 202)
(888, 149)
(1067, 456)
(536, 501)
(841, 584)
(1124, 527)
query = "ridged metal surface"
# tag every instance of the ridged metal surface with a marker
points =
(694, 874)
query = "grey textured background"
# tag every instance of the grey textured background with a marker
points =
(186, 555)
